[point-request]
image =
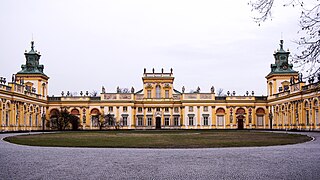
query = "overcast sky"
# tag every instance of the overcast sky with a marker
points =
(89, 44)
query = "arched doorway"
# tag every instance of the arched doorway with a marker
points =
(158, 122)
(240, 117)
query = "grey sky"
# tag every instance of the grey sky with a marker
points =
(89, 44)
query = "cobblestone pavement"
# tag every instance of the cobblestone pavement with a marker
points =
(300, 161)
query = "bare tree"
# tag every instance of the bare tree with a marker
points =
(94, 93)
(309, 43)
(123, 90)
(106, 120)
(64, 119)
(220, 92)
(101, 121)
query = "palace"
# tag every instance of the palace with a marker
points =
(290, 103)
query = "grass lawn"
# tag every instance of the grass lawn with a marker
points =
(159, 139)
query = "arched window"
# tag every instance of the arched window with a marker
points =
(289, 115)
(158, 91)
(75, 112)
(283, 116)
(7, 112)
(307, 112)
(24, 115)
(30, 116)
(260, 116)
(54, 115)
(94, 117)
(316, 111)
(17, 114)
(43, 89)
(270, 88)
(220, 117)
(240, 111)
(36, 113)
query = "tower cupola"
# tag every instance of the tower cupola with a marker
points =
(32, 65)
(281, 64)
(282, 75)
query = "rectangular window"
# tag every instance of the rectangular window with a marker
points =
(167, 93)
(125, 109)
(190, 108)
(139, 109)
(205, 108)
(260, 120)
(158, 92)
(166, 121)
(149, 110)
(158, 109)
(125, 121)
(148, 93)
(190, 120)
(205, 121)
(110, 108)
(220, 119)
(149, 119)
(166, 109)
(176, 109)
(176, 121)
(139, 121)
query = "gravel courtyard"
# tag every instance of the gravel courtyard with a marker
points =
(300, 161)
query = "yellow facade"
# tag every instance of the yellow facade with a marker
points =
(289, 104)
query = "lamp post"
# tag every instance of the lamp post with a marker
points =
(270, 119)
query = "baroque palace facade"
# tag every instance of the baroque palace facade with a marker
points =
(290, 103)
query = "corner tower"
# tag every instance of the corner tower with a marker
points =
(281, 75)
(32, 75)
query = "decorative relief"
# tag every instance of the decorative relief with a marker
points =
(191, 96)
(149, 86)
(205, 96)
(110, 96)
(176, 97)
(241, 97)
(167, 85)
(139, 96)
(125, 96)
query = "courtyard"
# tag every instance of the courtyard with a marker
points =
(297, 161)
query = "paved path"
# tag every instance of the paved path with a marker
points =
(300, 161)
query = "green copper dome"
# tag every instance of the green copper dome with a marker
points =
(32, 65)
(281, 65)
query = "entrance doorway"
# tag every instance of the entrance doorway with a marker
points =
(240, 123)
(158, 122)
